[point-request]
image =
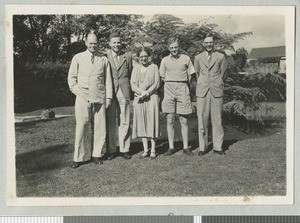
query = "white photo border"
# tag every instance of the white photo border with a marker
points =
(287, 11)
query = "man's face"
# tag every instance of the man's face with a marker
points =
(174, 49)
(115, 44)
(92, 43)
(208, 44)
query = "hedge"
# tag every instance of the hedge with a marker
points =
(41, 86)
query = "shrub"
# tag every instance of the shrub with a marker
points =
(41, 86)
(244, 94)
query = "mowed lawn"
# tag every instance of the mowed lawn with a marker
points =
(254, 164)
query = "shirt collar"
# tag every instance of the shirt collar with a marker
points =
(114, 54)
(209, 54)
(89, 53)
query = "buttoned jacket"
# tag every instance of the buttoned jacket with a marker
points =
(89, 79)
(210, 73)
(121, 72)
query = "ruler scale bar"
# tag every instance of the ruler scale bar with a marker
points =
(129, 219)
(250, 219)
(153, 219)
(31, 220)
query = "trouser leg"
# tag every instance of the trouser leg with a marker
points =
(203, 111)
(82, 116)
(216, 120)
(111, 130)
(99, 129)
(124, 125)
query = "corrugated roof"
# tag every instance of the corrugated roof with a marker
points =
(266, 52)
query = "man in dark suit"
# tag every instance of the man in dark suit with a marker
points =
(118, 114)
(210, 67)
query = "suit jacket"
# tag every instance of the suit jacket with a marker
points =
(210, 75)
(100, 81)
(121, 73)
(91, 81)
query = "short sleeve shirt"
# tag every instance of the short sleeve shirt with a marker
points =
(176, 69)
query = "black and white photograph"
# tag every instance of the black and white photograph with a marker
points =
(148, 105)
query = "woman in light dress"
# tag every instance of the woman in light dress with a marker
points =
(144, 84)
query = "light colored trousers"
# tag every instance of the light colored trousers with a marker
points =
(89, 115)
(118, 117)
(210, 106)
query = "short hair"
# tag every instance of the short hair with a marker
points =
(209, 34)
(114, 35)
(143, 49)
(173, 39)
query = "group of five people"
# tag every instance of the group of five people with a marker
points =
(103, 85)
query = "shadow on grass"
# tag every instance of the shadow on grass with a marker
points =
(52, 157)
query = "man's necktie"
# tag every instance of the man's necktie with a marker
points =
(209, 58)
(92, 58)
(117, 60)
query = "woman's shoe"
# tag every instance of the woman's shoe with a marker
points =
(152, 155)
(144, 154)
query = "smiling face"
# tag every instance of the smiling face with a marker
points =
(115, 44)
(208, 44)
(174, 49)
(92, 43)
(144, 58)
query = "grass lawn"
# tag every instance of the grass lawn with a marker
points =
(254, 164)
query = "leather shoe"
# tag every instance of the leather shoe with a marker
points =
(97, 160)
(76, 164)
(127, 156)
(169, 152)
(112, 156)
(188, 152)
(201, 153)
(220, 152)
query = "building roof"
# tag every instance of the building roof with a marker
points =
(267, 52)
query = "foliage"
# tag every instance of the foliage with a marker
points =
(42, 85)
(244, 93)
(41, 38)
(161, 27)
(43, 44)
(240, 58)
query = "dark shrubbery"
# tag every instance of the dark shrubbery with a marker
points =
(42, 85)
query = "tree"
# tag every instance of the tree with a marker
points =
(240, 58)
(40, 39)
(245, 94)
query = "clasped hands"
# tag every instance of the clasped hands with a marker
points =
(143, 95)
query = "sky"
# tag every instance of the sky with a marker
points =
(268, 30)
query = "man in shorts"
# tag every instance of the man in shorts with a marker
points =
(176, 70)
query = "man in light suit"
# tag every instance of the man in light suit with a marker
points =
(118, 115)
(90, 80)
(210, 67)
